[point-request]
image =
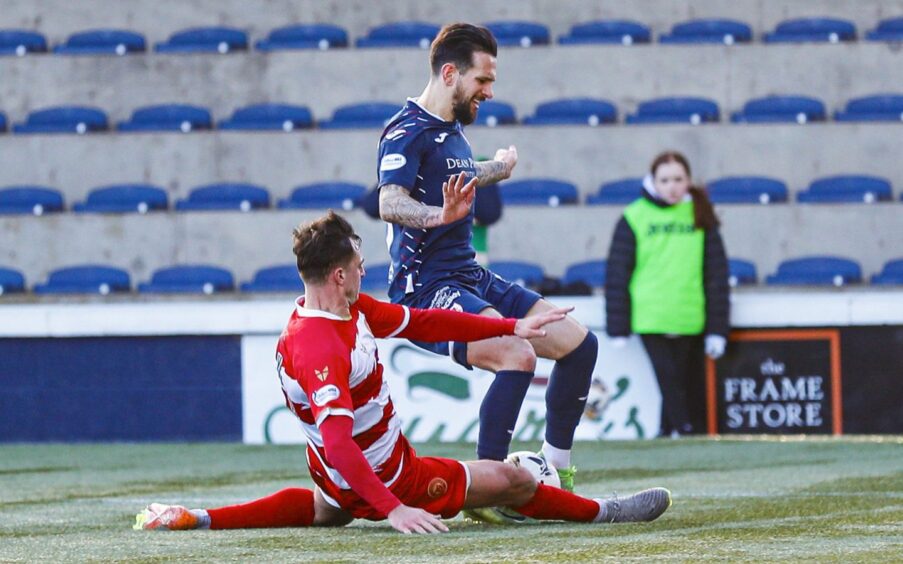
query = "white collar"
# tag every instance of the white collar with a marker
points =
(310, 312)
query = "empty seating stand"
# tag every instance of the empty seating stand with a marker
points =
(890, 29)
(827, 30)
(64, 119)
(741, 272)
(225, 196)
(85, 279)
(363, 115)
(304, 36)
(878, 107)
(281, 278)
(205, 40)
(891, 274)
(124, 198)
(576, 111)
(747, 190)
(781, 109)
(35, 200)
(519, 272)
(675, 110)
(11, 281)
(168, 117)
(103, 42)
(726, 32)
(274, 117)
(400, 34)
(519, 33)
(376, 278)
(493, 113)
(817, 271)
(591, 273)
(622, 32)
(20, 42)
(323, 195)
(538, 192)
(617, 192)
(847, 189)
(189, 279)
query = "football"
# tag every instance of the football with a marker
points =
(542, 471)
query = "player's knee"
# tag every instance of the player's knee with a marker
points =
(521, 486)
(518, 354)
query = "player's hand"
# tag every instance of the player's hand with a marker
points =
(531, 327)
(409, 520)
(509, 158)
(457, 197)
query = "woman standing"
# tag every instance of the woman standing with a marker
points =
(667, 281)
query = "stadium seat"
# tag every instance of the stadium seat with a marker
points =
(304, 36)
(891, 274)
(617, 192)
(591, 272)
(20, 42)
(523, 273)
(376, 278)
(747, 190)
(493, 113)
(578, 111)
(621, 32)
(189, 279)
(11, 281)
(85, 279)
(63, 119)
(36, 200)
(3, 122)
(538, 192)
(400, 34)
(675, 110)
(205, 40)
(519, 33)
(168, 117)
(123, 198)
(282, 278)
(781, 109)
(225, 196)
(102, 42)
(879, 107)
(816, 270)
(812, 30)
(722, 31)
(282, 117)
(846, 189)
(741, 272)
(323, 195)
(890, 29)
(367, 114)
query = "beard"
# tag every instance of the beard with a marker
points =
(461, 109)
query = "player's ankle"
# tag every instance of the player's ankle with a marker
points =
(203, 518)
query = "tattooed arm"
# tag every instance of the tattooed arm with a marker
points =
(489, 172)
(397, 206)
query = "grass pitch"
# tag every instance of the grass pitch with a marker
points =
(779, 499)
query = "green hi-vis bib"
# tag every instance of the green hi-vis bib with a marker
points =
(666, 289)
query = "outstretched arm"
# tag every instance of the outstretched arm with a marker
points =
(499, 168)
(397, 206)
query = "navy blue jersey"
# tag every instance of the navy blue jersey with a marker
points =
(419, 151)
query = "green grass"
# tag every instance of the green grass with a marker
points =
(780, 499)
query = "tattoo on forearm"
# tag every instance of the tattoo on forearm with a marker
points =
(489, 172)
(397, 206)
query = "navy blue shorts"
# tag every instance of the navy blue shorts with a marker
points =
(471, 292)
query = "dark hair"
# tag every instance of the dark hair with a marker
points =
(703, 213)
(322, 245)
(456, 43)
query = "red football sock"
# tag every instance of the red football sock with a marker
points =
(291, 507)
(558, 504)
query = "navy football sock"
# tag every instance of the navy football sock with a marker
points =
(499, 411)
(567, 391)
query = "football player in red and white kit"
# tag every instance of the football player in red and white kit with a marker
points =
(361, 463)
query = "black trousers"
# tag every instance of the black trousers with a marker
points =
(679, 365)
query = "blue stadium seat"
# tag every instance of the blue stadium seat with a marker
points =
(519, 33)
(282, 117)
(189, 279)
(621, 32)
(123, 198)
(747, 190)
(847, 189)
(890, 29)
(781, 109)
(282, 278)
(722, 31)
(812, 30)
(63, 119)
(675, 110)
(3, 125)
(376, 278)
(617, 192)
(519, 272)
(879, 107)
(225, 196)
(205, 40)
(538, 192)
(367, 114)
(11, 281)
(304, 36)
(102, 42)
(168, 117)
(400, 34)
(20, 42)
(85, 279)
(577, 111)
(891, 274)
(323, 195)
(591, 272)
(36, 200)
(741, 272)
(493, 113)
(817, 270)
